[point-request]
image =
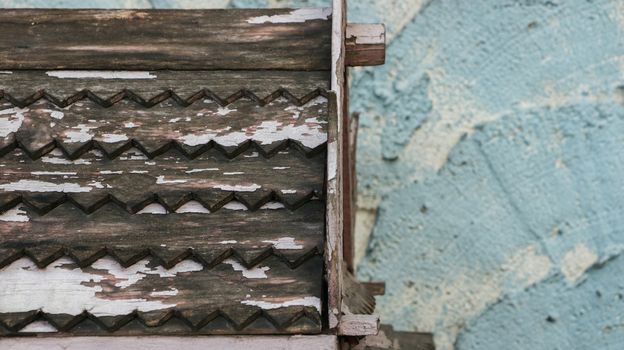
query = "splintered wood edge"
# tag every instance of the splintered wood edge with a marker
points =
(319, 342)
(334, 250)
(358, 325)
(365, 44)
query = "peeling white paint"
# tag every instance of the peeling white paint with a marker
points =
(285, 243)
(42, 186)
(81, 134)
(40, 326)
(52, 173)
(160, 180)
(57, 115)
(111, 172)
(174, 120)
(93, 74)
(63, 288)
(295, 16)
(201, 170)
(171, 292)
(281, 167)
(16, 214)
(111, 138)
(267, 305)
(272, 206)
(228, 242)
(253, 273)
(5, 72)
(233, 173)
(56, 156)
(224, 111)
(289, 191)
(13, 122)
(153, 208)
(130, 125)
(332, 160)
(192, 207)
(139, 171)
(239, 188)
(311, 134)
(577, 261)
(235, 205)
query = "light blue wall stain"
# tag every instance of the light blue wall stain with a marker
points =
(492, 148)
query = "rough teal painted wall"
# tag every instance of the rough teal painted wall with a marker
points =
(491, 167)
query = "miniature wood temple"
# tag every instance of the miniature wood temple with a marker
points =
(179, 174)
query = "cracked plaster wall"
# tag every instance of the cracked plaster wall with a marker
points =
(491, 167)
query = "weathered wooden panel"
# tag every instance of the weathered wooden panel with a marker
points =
(204, 120)
(209, 238)
(189, 298)
(162, 39)
(133, 181)
(226, 86)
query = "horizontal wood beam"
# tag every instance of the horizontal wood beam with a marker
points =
(242, 39)
(320, 342)
(365, 44)
(358, 325)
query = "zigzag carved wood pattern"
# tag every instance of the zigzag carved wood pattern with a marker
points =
(164, 96)
(162, 214)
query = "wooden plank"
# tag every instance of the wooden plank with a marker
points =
(193, 124)
(226, 85)
(209, 238)
(365, 44)
(350, 190)
(165, 39)
(358, 325)
(133, 181)
(334, 220)
(105, 298)
(318, 342)
(375, 288)
(356, 298)
(389, 339)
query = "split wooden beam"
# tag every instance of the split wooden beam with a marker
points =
(365, 44)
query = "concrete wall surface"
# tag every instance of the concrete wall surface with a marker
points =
(491, 167)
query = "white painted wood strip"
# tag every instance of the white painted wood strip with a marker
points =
(320, 342)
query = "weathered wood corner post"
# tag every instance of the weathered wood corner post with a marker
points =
(180, 179)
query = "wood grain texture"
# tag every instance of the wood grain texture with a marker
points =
(70, 113)
(105, 298)
(132, 181)
(209, 238)
(334, 217)
(165, 39)
(316, 342)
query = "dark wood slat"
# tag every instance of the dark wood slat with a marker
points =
(171, 179)
(250, 237)
(106, 299)
(165, 39)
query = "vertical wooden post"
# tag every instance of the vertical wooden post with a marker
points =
(334, 248)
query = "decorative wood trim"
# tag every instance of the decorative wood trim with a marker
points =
(365, 44)
(319, 342)
(237, 39)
